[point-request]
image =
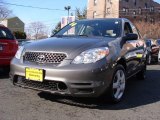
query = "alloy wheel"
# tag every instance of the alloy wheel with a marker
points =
(119, 84)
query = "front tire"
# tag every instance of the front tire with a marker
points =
(118, 85)
(142, 74)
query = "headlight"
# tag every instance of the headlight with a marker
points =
(91, 56)
(19, 52)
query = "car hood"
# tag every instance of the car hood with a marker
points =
(69, 45)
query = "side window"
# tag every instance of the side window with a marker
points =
(5, 34)
(134, 29)
(127, 28)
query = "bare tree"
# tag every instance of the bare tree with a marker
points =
(37, 30)
(148, 29)
(81, 14)
(57, 28)
(4, 12)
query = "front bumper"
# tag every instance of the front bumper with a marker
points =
(85, 80)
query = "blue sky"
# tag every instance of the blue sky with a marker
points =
(157, 1)
(49, 18)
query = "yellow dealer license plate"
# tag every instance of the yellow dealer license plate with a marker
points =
(34, 74)
(139, 55)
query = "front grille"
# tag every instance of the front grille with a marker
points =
(41, 57)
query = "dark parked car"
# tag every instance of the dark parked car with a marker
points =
(152, 50)
(8, 47)
(149, 50)
(158, 44)
(159, 56)
(155, 50)
(87, 58)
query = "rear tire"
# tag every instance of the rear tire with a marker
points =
(149, 59)
(118, 85)
(6, 70)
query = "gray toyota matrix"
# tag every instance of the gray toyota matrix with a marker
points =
(86, 58)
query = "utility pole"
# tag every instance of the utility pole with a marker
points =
(67, 8)
(105, 8)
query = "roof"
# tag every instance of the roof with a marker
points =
(118, 19)
(9, 18)
(2, 26)
(156, 4)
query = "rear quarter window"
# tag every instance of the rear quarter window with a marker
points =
(6, 34)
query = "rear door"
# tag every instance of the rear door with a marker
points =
(8, 44)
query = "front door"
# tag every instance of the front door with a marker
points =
(134, 50)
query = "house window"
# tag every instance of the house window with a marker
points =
(110, 1)
(152, 9)
(135, 2)
(146, 5)
(146, 18)
(139, 11)
(95, 2)
(124, 9)
(134, 12)
(127, 11)
(152, 20)
(108, 11)
(94, 14)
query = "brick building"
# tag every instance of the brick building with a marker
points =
(141, 10)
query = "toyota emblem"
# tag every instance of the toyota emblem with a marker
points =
(41, 59)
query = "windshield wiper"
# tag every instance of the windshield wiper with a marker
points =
(83, 35)
(57, 36)
(69, 35)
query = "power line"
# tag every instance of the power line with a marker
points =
(44, 8)
(34, 7)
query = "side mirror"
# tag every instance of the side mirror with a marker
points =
(131, 36)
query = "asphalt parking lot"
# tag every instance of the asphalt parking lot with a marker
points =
(142, 102)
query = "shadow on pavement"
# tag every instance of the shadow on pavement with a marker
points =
(4, 74)
(138, 93)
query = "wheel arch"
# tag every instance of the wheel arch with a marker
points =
(122, 62)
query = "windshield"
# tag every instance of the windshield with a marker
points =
(6, 34)
(104, 28)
